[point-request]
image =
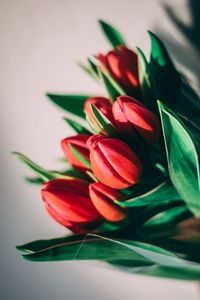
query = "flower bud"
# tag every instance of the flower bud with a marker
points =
(104, 106)
(132, 118)
(68, 202)
(103, 198)
(79, 143)
(123, 67)
(113, 162)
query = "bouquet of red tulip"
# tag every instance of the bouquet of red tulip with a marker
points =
(131, 196)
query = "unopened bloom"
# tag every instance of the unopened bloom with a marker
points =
(104, 106)
(68, 202)
(122, 64)
(79, 143)
(113, 162)
(132, 118)
(103, 198)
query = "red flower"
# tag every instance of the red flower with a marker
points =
(68, 202)
(104, 105)
(79, 143)
(103, 198)
(113, 162)
(123, 66)
(133, 118)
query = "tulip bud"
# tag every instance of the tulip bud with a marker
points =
(68, 202)
(104, 106)
(103, 198)
(132, 118)
(113, 162)
(79, 143)
(123, 67)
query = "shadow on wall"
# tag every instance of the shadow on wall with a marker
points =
(191, 33)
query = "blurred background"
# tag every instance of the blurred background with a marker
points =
(41, 43)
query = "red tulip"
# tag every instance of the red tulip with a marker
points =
(79, 143)
(123, 66)
(132, 118)
(103, 198)
(104, 105)
(113, 162)
(68, 202)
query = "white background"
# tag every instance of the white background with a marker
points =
(41, 41)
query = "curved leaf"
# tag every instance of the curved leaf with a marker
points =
(70, 103)
(183, 160)
(112, 34)
(44, 174)
(79, 128)
(161, 193)
(165, 78)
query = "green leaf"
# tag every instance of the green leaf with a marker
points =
(104, 123)
(91, 69)
(183, 160)
(41, 245)
(45, 175)
(80, 157)
(79, 128)
(148, 94)
(161, 193)
(34, 180)
(70, 103)
(112, 87)
(112, 34)
(165, 78)
(169, 216)
(137, 257)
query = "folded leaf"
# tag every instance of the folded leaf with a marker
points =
(183, 160)
(104, 123)
(79, 156)
(134, 257)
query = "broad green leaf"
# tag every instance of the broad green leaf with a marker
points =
(45, 175)
(79, 156)
(112, 34)
(79, 128)
(161, 193)
(135, 257)
(165, 78)
(70, 103)
(104, 123)
(183, 160)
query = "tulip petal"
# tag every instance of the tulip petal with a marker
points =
(104, 172)
(106, 207)
(70, 199)
(122, 159)
(144, 121)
